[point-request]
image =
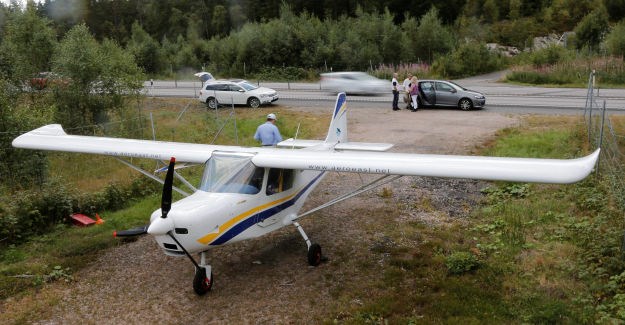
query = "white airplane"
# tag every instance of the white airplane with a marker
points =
(247, 192)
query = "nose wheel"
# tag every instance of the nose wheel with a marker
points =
(203, 280)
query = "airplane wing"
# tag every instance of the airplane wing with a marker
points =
(52, 137)
(561, 171)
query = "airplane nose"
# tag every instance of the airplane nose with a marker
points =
(160, 226)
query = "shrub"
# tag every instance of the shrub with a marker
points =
(30, 213)
(285, 73)
(467, 60)
(615, 40)
(461, 262)
(550, 55)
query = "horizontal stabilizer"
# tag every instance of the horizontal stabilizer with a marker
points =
(363, 146)
(293, 143)
(356, 146)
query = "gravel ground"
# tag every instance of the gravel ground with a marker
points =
(267, 281)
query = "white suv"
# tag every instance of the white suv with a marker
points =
(237, 92)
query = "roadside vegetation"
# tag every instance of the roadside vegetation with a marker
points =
(294, 40)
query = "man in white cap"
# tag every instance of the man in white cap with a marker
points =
(268, 133)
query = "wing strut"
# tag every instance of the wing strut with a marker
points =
(150, 175)
(367, 187)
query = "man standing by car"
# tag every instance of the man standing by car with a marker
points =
(406, 85)
(268, 133)
(395, 85)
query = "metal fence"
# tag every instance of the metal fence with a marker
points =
(603, 132)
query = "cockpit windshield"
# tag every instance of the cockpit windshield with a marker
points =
(231, 173)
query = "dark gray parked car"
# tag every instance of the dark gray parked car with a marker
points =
(446, 93)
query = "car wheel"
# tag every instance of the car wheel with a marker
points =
(253, 102)
(465, 104)
(211, 102)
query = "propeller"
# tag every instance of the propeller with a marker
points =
(131, 232)
(161, 225)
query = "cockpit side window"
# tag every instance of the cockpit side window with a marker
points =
(232, 174)
(279, 180)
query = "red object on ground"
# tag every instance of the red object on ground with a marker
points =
(82, 220)
(98, 220)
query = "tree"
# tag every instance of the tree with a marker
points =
(432, 37)
(145, 49)
(616, 8)
(95, 77)
(515, 9)
(592, 28)
(18, 167)
(219, 23)
(28, 44)
(490, 11)
(615, 40)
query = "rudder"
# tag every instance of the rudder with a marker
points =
(338, 127)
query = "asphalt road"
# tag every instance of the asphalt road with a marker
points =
(499, 96)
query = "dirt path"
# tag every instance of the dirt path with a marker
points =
(267, 281)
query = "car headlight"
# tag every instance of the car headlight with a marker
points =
(479, 96)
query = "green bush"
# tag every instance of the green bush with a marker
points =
(467, 60)
(285, 73)
(550, 55)
(615, 40)
(461, 262)
(29, 213)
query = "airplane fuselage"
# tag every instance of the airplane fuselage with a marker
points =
(208, 219)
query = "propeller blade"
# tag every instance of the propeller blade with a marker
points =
(131, 232)
(167, 188)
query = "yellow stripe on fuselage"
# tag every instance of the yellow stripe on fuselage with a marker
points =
(228, 224)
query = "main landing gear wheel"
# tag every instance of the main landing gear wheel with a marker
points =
(201, 282)
(314, 255)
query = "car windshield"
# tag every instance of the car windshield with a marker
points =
(248, 86)
(457, 85)
(231, 173)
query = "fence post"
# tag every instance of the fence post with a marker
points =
(589, 103)
(600, 138)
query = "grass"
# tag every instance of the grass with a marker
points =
(532, 242)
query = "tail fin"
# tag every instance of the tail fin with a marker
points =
(338, 126)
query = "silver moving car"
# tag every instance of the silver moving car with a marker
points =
(354, 82)
(446, 93)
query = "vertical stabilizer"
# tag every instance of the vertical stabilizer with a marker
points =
(338, 126)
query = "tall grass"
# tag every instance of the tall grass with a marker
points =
(610, 71)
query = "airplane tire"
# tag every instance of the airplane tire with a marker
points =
(202, 284)
(314, 255)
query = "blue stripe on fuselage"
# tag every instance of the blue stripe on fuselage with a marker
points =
(256, 218)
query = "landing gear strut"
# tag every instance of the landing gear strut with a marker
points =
(203, 279)
(314, 250)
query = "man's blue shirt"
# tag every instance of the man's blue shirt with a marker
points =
(268, 134)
